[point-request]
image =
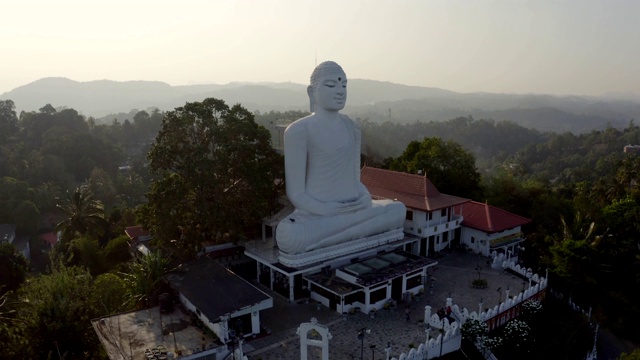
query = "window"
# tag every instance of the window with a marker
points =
(473, 240)
(443, 212)
(414, 282)
(409, 215)
(378, 295)
(430, 215)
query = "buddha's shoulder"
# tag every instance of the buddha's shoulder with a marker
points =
(313, 122)
(300, 125)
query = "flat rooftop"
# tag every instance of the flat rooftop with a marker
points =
(128, 335)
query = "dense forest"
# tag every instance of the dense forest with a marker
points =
(60, 171)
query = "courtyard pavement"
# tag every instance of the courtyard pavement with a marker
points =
(452, 277)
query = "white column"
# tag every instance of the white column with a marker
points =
(291, 294)
(427, 314)
(255, 322)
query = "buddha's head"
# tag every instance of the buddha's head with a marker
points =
(328, 87)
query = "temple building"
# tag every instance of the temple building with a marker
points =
(487, 229)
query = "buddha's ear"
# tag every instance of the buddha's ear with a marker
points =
(312, 100)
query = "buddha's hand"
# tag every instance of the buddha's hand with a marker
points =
(363, 202)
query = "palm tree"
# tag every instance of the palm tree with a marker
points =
(85, 215)
(145, 277)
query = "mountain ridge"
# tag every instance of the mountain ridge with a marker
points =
(375, 100)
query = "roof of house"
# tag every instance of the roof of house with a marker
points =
(7, 232)
(489, 218)
(414, 191)
(213, 289)
(49, 238)
(134, 232)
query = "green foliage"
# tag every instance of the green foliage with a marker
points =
(102, 187)
(85, 215)
(473, 328)
(217, 174)
(56, 311)
(8, 120)
(144, 279)
(117, 250)
(16, 205)
(447, 164)
(517, 334)
(13, 268)
(530, 308)
(634, 355)
(479, 283)
(12, 331)
(86, 252)
(111, 294)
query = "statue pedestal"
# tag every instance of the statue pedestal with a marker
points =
(332, 252)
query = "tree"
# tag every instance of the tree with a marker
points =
(634, 355)
(16, 205)
(57, 312)
(111, 294)
(13, 268)
(102, 187)
(448, 165)
(8, 120)
(85, 215)
(117, 251)
(144, 278)
(218, 175)
(86, 252)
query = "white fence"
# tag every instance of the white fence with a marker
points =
(449, 338)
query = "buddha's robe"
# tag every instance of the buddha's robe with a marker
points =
(322, 170)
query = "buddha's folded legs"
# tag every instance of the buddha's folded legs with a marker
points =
(299, 233)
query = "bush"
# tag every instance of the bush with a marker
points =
(479, 283)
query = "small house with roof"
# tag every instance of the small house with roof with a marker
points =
(139, 238)
(432, 218)
(49, 239)
(487, 229)
(222, 300)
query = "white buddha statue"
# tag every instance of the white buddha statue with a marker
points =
(322, 171)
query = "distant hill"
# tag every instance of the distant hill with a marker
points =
(368, 99)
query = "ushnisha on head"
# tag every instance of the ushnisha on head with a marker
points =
(328, 87)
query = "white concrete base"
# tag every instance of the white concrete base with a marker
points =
(332, 252)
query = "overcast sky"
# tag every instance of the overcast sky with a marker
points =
(582, 47)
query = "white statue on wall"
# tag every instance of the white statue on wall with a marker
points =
(322, 170)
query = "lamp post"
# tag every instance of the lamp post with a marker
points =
(388, 349)
(361, 334)
(372, 347)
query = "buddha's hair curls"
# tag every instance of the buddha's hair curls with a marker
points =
(326, 67)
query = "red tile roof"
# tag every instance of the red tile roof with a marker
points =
(134, 232)
(489, 218)
(414, 191)
(50, 238)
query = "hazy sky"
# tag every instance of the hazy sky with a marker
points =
(581, 47)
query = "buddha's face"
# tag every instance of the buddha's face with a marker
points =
(330, 93)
